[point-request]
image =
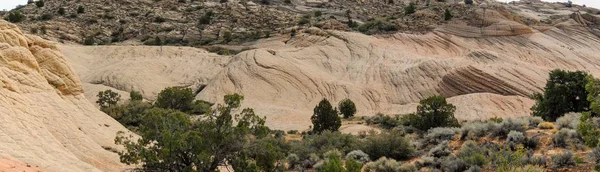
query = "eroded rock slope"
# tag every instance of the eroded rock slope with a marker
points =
(45, 120)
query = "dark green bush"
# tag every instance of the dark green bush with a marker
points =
(564, 92)
(39, 3)
(175, 98)
(15, 17)
(325, 117)
(80, 9)
(410, 9)
(61, 11)
(433, 112)
(347, 108)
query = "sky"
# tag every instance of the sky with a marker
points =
(10, 4)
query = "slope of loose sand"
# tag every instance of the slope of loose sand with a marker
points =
(45, 120)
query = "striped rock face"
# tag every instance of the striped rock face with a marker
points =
(46, 123)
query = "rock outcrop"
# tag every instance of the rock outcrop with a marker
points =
(45, 120)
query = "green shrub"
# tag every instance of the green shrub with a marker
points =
(293, 160)
(89, 40)
(410, 9)
(46, 17)
(384, 164)
(80, 9)
(447, 15)
(325, 117)
(135, 96)
(451, 163)
(563, 160)
(317, 14)
(389, 144)
(292, 132)
(496, 119)
(441, 150)
(107, 98)
(359, 156)
(159, 19)
(595, 155)
(473, 154)
(61, 11)
(15, 17)
(515, 137)
(587, 130)
(347, 108)
(206, 18)
(384, 121)
(433, 112)
(377, 26)
(353, 166)
(304, 21)
(534, 121)
(564, 92)
(321, 143)
(569, 120)
(438, 135)
(566, 138)
(175, 98)
(510, 124)
(468, 2)
(129, 115)
(39, 3)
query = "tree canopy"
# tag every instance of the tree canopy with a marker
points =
(564, 92)
(325, 117)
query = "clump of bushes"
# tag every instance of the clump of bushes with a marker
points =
(385, 164)
(391, 144)
(569, 120)
(432, 112)
(15, 17)
(476, 130)
(441, 150)
(377, 26)
(384, 121)
(358, 156)
(39, 3)
(438, 135)
(563, 160)
(566, 138)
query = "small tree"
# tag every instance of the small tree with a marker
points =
(108, 98)
(325, 117)
(39, 3)
(433, 112)
(347, 108)
(176, 98)
(61, 11)
(564, 92)
(80, 9)
(410, 9)
(135, 96)
(447, 15)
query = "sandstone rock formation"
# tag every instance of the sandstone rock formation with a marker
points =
(486, 71)
(45, 120)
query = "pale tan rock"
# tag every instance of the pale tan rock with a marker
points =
(45, 120)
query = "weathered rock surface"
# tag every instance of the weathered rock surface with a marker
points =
(485, 77)
(45, 120)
